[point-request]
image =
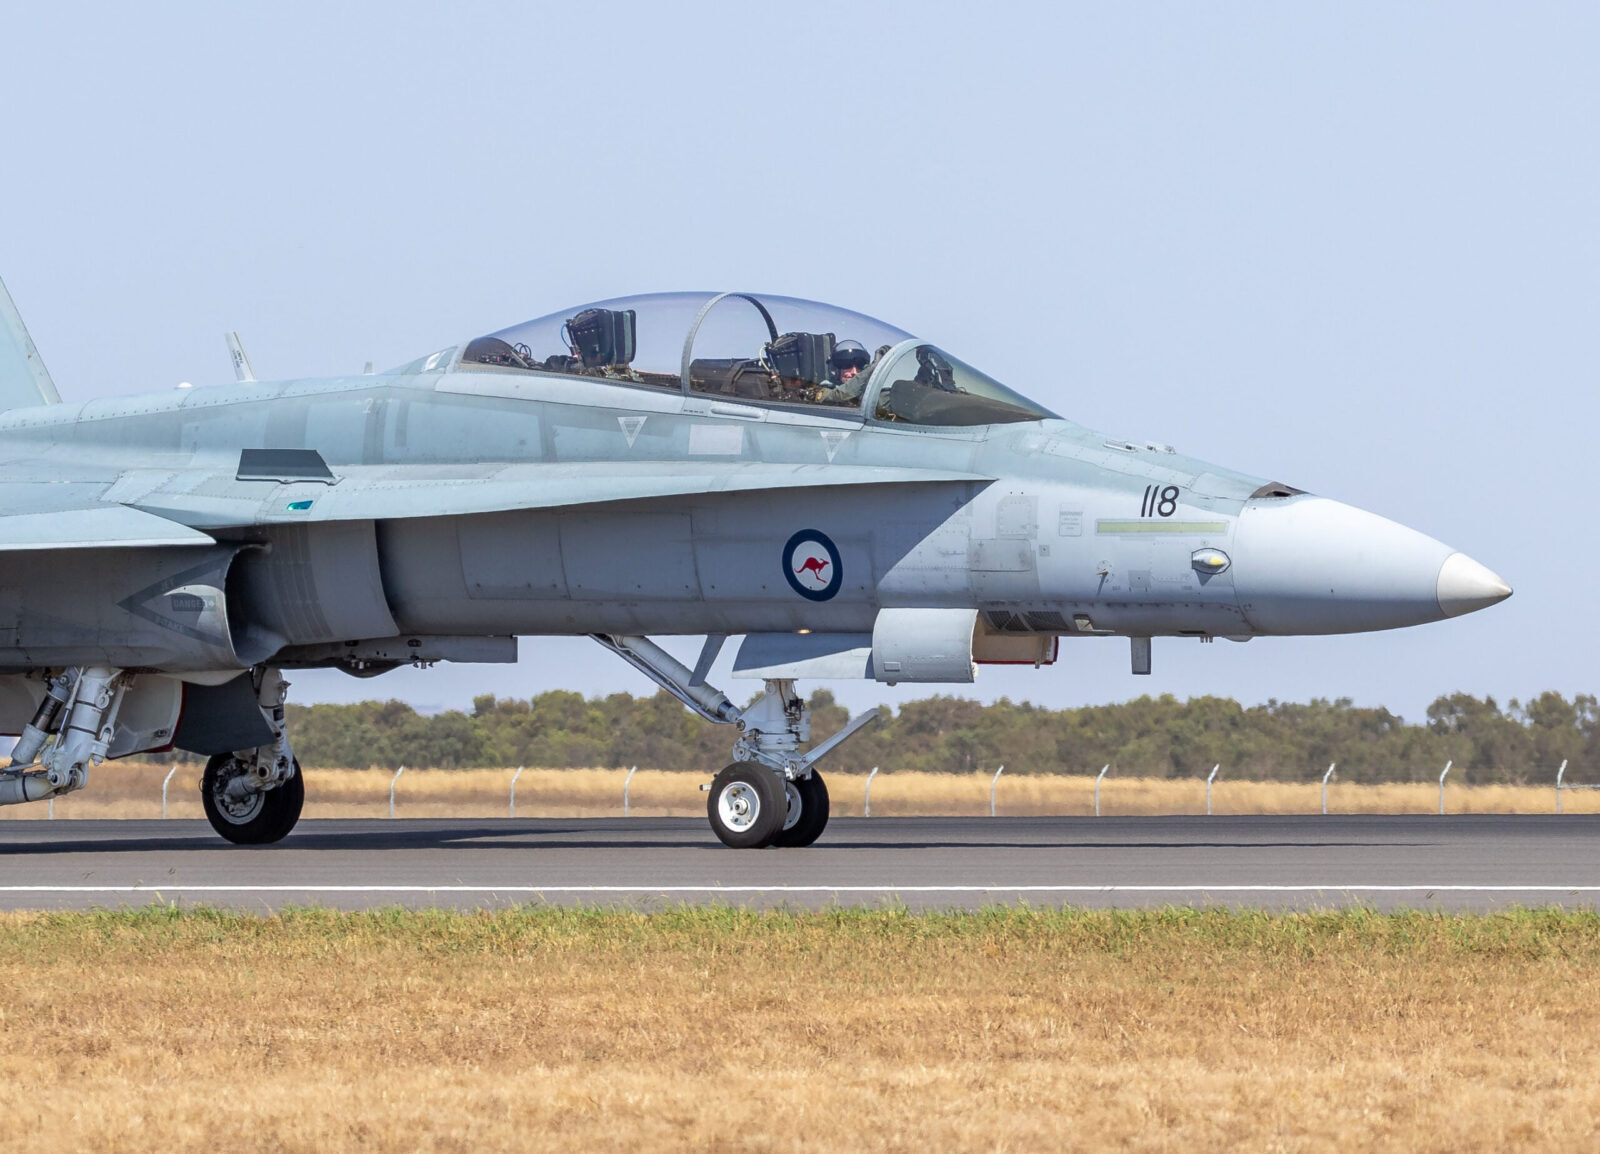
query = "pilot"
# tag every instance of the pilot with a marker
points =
(847, 371)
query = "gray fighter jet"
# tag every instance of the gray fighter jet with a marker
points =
(850, 500)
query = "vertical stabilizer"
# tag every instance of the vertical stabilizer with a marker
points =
(23, 378)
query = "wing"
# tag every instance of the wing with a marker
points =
(95, 527)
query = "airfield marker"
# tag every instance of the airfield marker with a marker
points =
(514, 777)
(392, 782)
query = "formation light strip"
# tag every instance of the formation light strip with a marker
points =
(1160, 526)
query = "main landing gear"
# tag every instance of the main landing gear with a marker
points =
(251, 796)
(772, 795)
(254, 796)
(246, 815)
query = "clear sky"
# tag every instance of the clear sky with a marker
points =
(1353, 247)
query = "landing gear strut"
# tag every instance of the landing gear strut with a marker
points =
(772, 794)
(80, 711)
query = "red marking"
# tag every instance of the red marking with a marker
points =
(813, 566)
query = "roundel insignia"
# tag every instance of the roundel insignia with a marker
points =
(811, 564)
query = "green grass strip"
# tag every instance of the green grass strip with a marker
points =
(28, 939)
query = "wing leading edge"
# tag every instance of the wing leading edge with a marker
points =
(147, 508)
(375, 493)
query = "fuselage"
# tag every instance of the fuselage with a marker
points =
(1044, 527)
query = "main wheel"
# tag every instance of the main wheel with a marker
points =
(260, 817)
(807, 813)
(746, 805)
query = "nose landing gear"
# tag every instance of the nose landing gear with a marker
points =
(772, 795)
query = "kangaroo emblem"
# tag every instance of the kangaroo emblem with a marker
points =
(813, 566)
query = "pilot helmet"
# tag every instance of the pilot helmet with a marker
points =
(849, 354)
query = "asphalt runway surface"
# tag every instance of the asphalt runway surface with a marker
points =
(1313, 862)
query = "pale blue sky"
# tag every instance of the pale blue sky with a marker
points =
(1353, 247)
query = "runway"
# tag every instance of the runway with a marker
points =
(1458, 862)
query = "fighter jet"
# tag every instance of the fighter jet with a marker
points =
(848, 500)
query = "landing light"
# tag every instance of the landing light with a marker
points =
(1210, 561)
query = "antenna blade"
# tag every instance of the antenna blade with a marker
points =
(241, 360)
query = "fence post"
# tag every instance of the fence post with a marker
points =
(1442, 776)
(1560, 773)
(993, 782)
(1097, 778)
(1325, 778)
(52, 807)
(625, 782)
(514, 777)
(164, 782)
(392, 782)
(1211, 777)
(867, 807)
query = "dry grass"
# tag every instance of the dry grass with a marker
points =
(134, 790)
(721, 1030)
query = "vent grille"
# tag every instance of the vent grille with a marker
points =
(1002, 621)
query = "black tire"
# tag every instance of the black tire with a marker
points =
(807, 812)
(746, 805)
(269, 817)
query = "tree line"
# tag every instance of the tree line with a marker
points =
(1150, 736)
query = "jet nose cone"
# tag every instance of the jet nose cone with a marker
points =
(1466, 586)
(1310, 565)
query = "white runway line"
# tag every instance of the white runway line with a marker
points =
(794, 889)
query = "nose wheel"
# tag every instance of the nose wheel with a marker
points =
(807, 813)
(747, 805)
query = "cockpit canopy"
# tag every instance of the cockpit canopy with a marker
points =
(765, 350)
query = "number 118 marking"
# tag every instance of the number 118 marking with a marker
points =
(1159, 502)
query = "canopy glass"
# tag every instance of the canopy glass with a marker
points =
(759, 349)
